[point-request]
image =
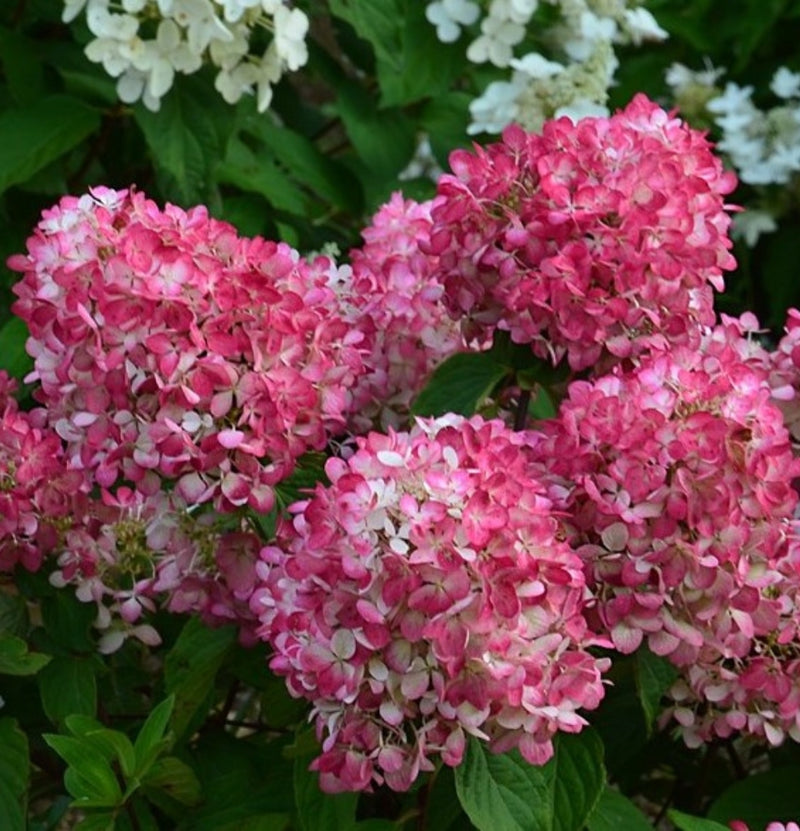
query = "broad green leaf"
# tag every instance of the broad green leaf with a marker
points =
(104, 821)
(412, 63)
(615, 812)
(175, 778)
(15, 658)
(460, 384)
(261, 822)
(113, 745)
(68, 622)
(260, 174)
(22, 68)
(150, 739)
(14, 772)
(760, 798)
(423, 67)
(39, 133)
(14, 618)
(240, 780)
(191, 667)
(317, 811)
(383, 139)
(304, 163)
(685, 822)
(89, 777)
(68, 685)
(445, 119)
(187, 137)
(506, 793)
(654, 676)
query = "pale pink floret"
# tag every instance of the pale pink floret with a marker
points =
(425, 596)
(678, 477)
(596, 240)
(168, 347)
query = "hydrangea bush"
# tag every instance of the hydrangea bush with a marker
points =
(356, 476)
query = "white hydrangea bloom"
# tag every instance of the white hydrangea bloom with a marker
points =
(785, 83)
(291, 26)
(448, 16)
(190, 33)
(750, 224)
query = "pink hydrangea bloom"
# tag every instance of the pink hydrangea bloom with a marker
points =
(37, 492)
(132, 553)
(391, 295)
(677, 477)
(738, 825)
(168, 347)
(426, 595)
(785, 378)
(596, 240)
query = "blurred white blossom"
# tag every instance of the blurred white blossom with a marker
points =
(146, 45)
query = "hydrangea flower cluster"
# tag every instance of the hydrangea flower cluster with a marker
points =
(677, 477)
(424, 596)
(150, 41)
(583, 41)
(37, 492)
(599, 239)
(169, 348)
(130, 554)
(395, 299)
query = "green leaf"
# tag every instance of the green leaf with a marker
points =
(186, 138)
(150, 739)
(260, 174)
(191, 667)
(14, 619)
(176, 779)
(68, 685)
(39, 133)
(68, 622)
(112, 744)
(14, 772)
(105, 821)
(685, 822)
(317, 811)
(305, 164)
(240, 780)
(15, 658)
(460, 384)
(23, 71)
(89, 777)
(615, 812)
(506, 793)
(761, 798)
(383, 139)
(412, 63)
(654, 676)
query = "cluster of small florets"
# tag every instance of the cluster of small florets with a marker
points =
(149, 41)
(425, 596)
(169, 348)
(676, 477)
(395, 299)
(131, 553)
(37, 492)
(600, 239)
(576, 77)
